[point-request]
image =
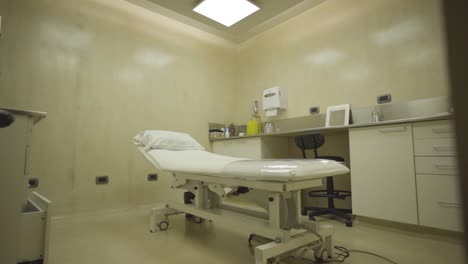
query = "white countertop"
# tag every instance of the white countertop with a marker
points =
(441, 116)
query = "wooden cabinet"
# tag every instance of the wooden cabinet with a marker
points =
(382, 173)
(439, 203)
(252, 147)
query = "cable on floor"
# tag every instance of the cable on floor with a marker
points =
(344, 253)
(373, 254)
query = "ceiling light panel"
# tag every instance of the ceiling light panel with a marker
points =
(226, 12)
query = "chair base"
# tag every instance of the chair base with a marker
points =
(318, 211)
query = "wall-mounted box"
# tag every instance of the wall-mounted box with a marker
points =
(274, 99)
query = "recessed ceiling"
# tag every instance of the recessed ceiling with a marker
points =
(271, 13)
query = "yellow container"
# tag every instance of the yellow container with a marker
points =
(253, 127)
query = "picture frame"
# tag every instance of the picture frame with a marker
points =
(338, 115)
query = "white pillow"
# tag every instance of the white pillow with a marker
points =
(159, 139)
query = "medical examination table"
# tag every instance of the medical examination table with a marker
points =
(211, 181)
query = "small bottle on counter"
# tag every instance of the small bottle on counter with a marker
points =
(232, 130)
(226, 131)
(376, 116)
(268, 128)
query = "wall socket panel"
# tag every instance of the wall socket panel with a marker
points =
(33, 183)
(152, 177)
(384, 98)
(102, 180)
(314, 110)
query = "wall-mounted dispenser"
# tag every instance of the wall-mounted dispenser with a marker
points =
(274, 99)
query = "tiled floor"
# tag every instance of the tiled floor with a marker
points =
(123, 238)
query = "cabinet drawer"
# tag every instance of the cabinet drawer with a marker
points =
(439, 204)
(242, 148)
(436, 165)
(435, 147)
(433, 129)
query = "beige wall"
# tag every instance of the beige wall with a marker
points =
(347, 52)
(104, 70)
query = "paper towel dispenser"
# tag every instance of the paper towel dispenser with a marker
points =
(274, 99)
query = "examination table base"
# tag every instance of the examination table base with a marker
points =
(280, 221)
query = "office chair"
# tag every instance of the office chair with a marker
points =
(315, 141)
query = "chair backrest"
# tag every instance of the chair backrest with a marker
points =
(312, 141)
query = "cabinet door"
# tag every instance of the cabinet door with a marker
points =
(382, 173)
(241, 148)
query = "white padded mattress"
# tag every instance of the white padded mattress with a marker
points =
(206, 163)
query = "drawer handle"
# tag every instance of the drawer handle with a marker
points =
(444, 148)
(442, 130)
(392, 129)
(445, 167)
(449, 205)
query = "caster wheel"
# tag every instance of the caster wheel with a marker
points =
(198, 220)
(164, 225)
(273, 261)
(349, 223)
(321, 255)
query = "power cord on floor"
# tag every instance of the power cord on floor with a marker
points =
(344, 253)
(373, 254)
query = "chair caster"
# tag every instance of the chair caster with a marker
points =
(189, 216)
(163, 225)
(349, 223)
(198, 220)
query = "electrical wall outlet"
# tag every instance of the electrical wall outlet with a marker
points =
(385, 98)
(33, 183)
(152, 177)
(102, 180)
(314, 110)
